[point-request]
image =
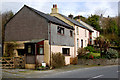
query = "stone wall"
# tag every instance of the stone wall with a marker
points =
(98, 61)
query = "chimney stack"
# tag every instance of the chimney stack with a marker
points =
(54, 9)
(70, 16)
(78, 18)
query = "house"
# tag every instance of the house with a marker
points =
(82, 33)
(94, 34)
(39, 35)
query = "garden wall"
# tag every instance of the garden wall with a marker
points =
(98, 61)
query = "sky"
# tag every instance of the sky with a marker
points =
(66, 7)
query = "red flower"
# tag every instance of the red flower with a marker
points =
(91, 57)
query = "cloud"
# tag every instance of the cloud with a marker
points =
(85, 8)
(102, 6)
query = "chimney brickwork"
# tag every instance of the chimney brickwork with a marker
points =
(54, 9)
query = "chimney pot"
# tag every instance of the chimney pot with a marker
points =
(54, 5)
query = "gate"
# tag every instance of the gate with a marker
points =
(12, 62)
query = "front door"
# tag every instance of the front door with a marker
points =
(81, 43)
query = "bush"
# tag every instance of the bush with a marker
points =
(90, 48)
(81, 52)
(111, 53)
(74, 60)
(58, 60)
(92, 55)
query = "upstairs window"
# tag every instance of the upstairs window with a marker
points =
(77, 31)
(85, 33)
(71, 33)
(60, 30)
(77, 43)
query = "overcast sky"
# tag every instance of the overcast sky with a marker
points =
(75, 7)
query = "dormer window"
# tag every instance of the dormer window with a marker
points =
(60, 30)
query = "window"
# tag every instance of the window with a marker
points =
(77, 31)
(40, 50)
(71, 33)
(29, 49)
(85, 43)
(60, 30)
(77, 43)
(96, 34)
(66, 51)
(85, 33)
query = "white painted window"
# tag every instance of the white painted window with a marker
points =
(77, 43)
(85, 33)
(77, 31)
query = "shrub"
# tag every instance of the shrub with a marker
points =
(74, 61)
(91, 57)
(90, 48)
(87, 56)
(58, 60)
(111, 53)
(81, 52)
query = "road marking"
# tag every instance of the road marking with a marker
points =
(118, 71)
(95, 77)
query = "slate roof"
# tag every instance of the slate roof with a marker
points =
(51, 18)
(76, 22)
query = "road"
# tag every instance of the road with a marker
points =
(91, 73)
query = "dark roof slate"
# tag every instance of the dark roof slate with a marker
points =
(51, 18)
(75, 22)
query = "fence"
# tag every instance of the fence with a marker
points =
(12, 62)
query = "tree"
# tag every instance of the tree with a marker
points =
(113, 28)
(93, 20)
(103, 44)
(5, 18)
(81, 18)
